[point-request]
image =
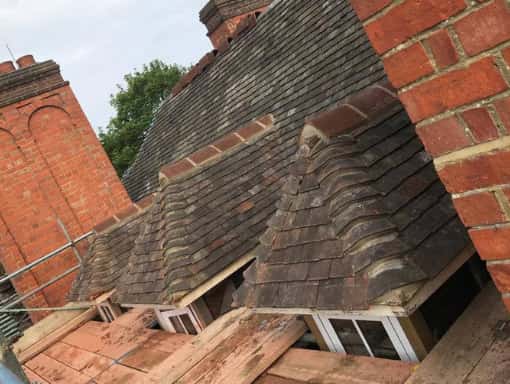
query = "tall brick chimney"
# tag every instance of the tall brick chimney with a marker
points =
(221, 17)
(450, 61)
(52, 168)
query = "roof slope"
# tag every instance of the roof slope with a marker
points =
(360, 215)
(107, 259)
(302, 56)
(210, 217)
(204, 221)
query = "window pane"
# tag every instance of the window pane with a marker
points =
(378, 339)
(188, 324)
(349, 337)
(177, 325)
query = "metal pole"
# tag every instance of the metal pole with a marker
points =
(53, 309)
(69, 240)
(40, 288)
(43, 259)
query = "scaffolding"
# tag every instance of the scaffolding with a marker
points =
(6, 306)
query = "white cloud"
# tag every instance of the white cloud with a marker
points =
(98, 41)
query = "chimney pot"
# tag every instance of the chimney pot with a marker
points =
(7, 67)
(25, 61)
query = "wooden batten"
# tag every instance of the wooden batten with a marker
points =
(214, 281)
(312, 326)
(50, 330)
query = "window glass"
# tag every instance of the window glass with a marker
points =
(349, 337)
(377, 339)
(188, 325)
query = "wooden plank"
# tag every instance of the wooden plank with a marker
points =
(80, 360)
(459, 352)
(214, 281)
(192, 353)
(418, 334)
(34, 377)
(168, 342)
(46, 326)
(253, 360)
(55, 372)
(242, 352)
(144, 358)
(494, 368)
(112, 341)
(136, 318)
(327, 367)
(119, 374)
(56, 335)
(310, 322)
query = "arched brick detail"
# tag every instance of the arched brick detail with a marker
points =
(450, 61)
(22, 241)
(52, 167)
(50, 126)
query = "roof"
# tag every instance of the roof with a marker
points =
(209, 217)
(361, 214)
(203, 221)
(303, 56)
(238, 348)
(107, 259)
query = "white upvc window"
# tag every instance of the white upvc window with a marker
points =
(183, 320)
(381, 337)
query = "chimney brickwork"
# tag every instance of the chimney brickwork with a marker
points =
(450, 60)
(52, 167)
(222, 17)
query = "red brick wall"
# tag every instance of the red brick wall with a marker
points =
(228, 28)
(450, 60)
(52, 167)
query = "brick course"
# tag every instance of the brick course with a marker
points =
(443, 136)
(479, 209)
(418, 65)
(480, 124)
(484, 28)
(442, 48)
(463, 102)
(454, 89)
(52, 167)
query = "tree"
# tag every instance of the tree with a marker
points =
(135, 105)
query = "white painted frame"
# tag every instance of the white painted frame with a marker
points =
(164, 316)
(391, 326)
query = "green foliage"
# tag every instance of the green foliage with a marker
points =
(135, 105)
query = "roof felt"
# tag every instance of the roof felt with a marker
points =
(302, 56)
(107, 259)
(360, 215)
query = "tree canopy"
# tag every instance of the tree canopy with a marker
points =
(135, 104)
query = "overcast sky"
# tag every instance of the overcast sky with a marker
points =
(96, 42)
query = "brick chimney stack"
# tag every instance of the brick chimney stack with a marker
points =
(221, 17)
(53, 170)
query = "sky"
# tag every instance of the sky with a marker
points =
(96, 42)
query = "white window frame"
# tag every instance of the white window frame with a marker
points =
(391, 325)
(108, 311)
(164, 316)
